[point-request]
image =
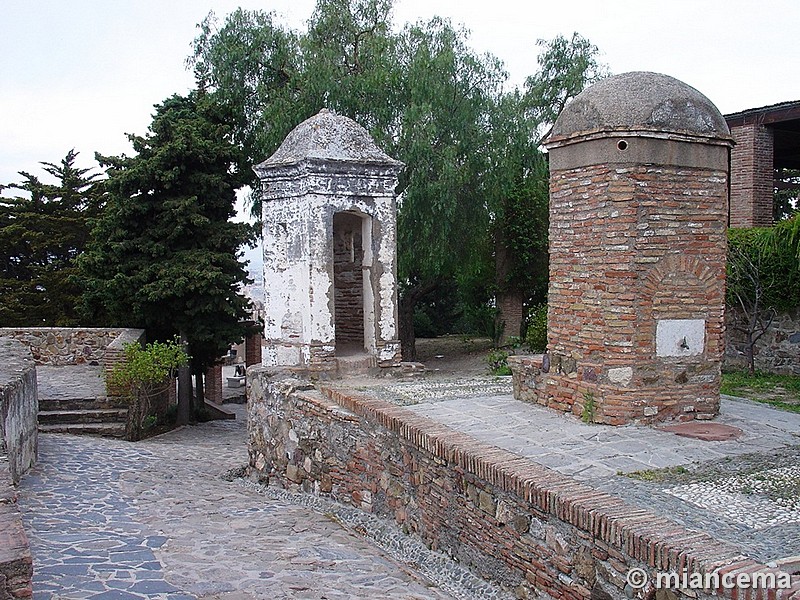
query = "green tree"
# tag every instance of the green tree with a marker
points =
(428, 99)
(42, 231)
(763, 278)
(518, 188)
(165, 255)
(787, 192)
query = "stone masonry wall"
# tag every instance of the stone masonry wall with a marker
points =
(64, 346)
(778, 351)
(624, 254)
(18, 451)
(504, 516)
(751, 176)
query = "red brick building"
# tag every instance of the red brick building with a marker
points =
(767, 141)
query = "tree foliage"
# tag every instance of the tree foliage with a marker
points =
(165, 255)
(763, 278)
(144, 373)
(473, 167)
(42, 231)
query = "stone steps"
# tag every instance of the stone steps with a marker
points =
(83, 416)
(92, 415)
(99, 403)
(357, 364)
(102, 429)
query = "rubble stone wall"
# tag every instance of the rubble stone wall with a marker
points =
(18, 450)
(509, 519)
(778, 350)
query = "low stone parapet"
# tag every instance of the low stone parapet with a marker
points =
(509, 519)
(18, 452)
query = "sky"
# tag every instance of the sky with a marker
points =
(82, 73)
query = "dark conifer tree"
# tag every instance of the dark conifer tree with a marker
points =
(165, 255)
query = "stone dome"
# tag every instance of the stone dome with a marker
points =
(331, 138)
(640, 101)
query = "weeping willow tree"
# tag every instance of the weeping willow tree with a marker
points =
(428, 99)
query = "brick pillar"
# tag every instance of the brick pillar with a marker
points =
(512, 313)
(752, 176)
(213, 390)
(252, 349)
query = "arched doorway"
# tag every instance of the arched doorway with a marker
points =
(353, 297)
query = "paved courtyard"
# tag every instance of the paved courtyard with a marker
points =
(745, 491)
(111, 520)
(167, 519)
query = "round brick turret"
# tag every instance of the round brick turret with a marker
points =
(638, 219)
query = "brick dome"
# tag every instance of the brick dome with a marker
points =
(640, 101)
(327, 137)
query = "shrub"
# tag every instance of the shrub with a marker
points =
(143, 374)
(536, 333)
(498, 362)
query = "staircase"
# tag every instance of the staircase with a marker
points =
(72, 399)
(93, 416)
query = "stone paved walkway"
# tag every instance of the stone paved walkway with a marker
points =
(110, 520)
(745, 491)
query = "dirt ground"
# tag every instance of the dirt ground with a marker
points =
(454, 354)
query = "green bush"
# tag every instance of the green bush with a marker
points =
(774, 253)
(142, 374)
(498, 362)
(536, 333)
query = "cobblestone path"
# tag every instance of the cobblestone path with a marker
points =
(110, 520)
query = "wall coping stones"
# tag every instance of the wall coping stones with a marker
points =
(643, 536)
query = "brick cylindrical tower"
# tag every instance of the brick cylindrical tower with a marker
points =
(639, 169)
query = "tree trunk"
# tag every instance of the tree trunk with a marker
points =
(184, 414)
(408, 302)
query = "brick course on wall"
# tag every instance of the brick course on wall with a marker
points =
(752, 176)
(509, 519)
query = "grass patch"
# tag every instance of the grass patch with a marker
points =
(658, 475)
(780, 391)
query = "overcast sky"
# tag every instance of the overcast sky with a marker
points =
(81, 73)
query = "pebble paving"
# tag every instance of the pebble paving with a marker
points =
(164, 519)
(744, 491)
(168, 519)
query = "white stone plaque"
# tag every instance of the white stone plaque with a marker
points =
(680, 337)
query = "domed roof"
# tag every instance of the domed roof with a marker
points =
(640, 101)
(328, 137)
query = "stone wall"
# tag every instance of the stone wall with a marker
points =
(60, 346)
(18, 451)
(507, 518)
(778, 351)
(19, 408)
(63, 346)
